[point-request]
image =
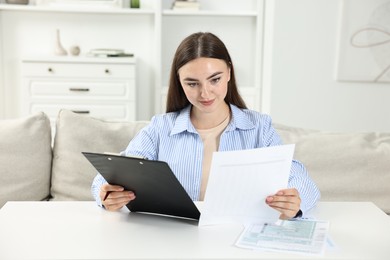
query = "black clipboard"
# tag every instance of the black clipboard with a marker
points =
(156, 187)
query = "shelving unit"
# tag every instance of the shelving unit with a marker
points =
(207, 13)
(152, 33)
(53, 9)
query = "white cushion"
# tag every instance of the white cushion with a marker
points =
(25, 158)
(345, 166)
(72, 174)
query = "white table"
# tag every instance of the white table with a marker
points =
(81, 230)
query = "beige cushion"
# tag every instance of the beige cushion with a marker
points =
(72, 174)
(345, 166)
(25, 158)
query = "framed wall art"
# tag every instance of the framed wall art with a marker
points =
(364, 41)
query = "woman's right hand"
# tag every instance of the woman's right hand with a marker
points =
(114, 197)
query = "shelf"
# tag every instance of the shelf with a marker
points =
(208, 13)
(95, 10)
(113, 10)
(80, 59)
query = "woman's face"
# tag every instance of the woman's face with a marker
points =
(205, 83)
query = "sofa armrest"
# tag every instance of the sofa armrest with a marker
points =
(25, 158)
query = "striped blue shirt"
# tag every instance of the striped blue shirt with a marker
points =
(172, 138)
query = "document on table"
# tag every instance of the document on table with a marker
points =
(293, 236)
(240, 181)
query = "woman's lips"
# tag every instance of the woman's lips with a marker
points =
(207, 103)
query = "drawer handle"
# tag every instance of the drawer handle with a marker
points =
(107, 71)
(79, 89)
(50, 70)
(81, 111)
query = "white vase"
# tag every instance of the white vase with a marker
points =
(58, 48)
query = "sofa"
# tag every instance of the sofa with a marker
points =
(40, 161)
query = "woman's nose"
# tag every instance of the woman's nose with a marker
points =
(205, 90)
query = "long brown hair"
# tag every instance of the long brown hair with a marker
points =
(197, 45)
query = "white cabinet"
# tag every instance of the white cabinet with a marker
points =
(103, 88)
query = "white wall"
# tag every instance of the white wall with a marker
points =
(300, 70)
(2, 92)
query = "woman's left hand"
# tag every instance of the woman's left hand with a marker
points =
(286, 201)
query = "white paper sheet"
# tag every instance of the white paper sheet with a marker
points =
(240, 181)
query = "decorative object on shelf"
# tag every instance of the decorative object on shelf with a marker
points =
(106, 53)
(74, 50)
(17, 2)
(186, 5)
(135, 3)
(59, 49)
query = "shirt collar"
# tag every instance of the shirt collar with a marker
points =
(183, 122)
(239, 120)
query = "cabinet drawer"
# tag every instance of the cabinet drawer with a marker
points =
(80, 89)
(47, 69)
(121, 112)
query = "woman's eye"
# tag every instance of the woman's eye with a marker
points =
(215, 80)
(192, 84)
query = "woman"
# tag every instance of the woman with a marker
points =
(205, 113)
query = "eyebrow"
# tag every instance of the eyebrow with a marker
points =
(209, 77)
